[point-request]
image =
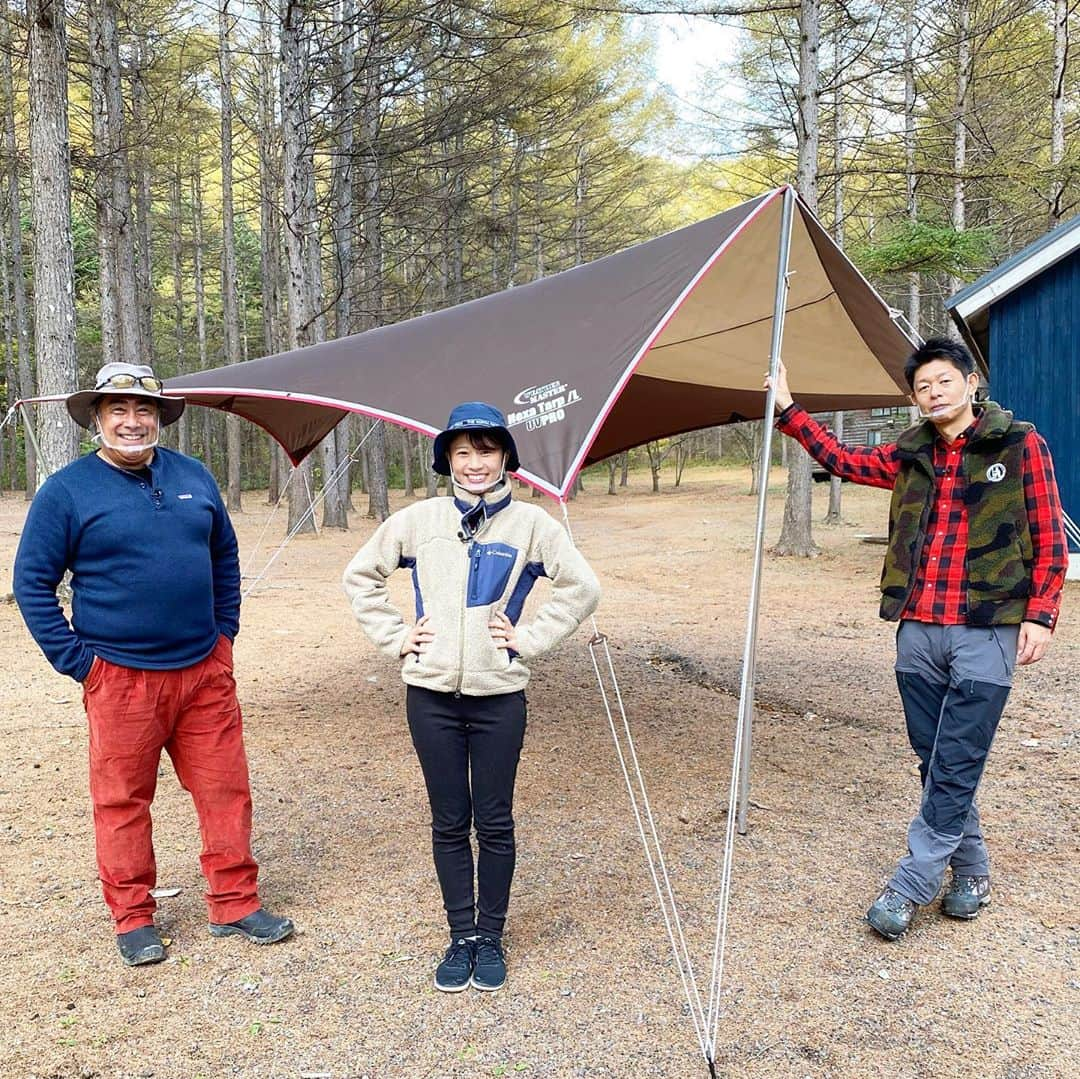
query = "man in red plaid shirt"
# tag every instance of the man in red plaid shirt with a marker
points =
(973, 571)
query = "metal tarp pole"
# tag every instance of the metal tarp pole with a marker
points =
(746, 688)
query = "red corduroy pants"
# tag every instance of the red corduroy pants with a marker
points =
(192, 714)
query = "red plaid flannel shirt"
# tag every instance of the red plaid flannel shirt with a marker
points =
(940, 592)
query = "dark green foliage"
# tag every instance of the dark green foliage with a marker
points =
(929, 248)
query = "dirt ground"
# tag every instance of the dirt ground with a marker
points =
(341, 832)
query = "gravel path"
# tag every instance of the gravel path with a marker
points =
(341, 833)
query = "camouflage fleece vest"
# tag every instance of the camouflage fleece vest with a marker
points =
(999, 549)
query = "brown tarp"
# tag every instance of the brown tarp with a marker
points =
(666, 337)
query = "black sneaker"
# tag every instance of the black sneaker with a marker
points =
(966, 896)
(141, 946)
(489, 973)
(259, 926)
(453, 973)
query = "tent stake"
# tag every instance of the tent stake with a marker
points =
(746, 689)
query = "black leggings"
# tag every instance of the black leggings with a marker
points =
(469, 749)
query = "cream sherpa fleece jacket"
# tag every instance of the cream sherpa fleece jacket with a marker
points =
(460, 582)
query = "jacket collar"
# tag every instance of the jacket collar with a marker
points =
(477, 510)
(991, 421)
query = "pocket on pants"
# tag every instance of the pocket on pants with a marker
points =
(1005, 639)
(93, 676)
(223, 652)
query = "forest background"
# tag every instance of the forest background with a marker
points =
(188, 183)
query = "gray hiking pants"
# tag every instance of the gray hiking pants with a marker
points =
(953, 681)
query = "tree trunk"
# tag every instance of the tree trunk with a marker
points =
(143, 201)
(54, 264)
(1057, 108)
(273, 481)
(538, 230)
(378, 495)
(423, 449)
(835, 486)
(335, 448)
(808, 130)
(833, 517)
(581, 188)
(796, 537)
(7, 462)
(914, 315)
(345, 434)
(200, 295)
(624, 475)
(269, 143)
(960, 122)
(230, 307)
(408, 485)
(612, 465)
(431, 477)
(108, 289)
(296, 142)
(18, 272)
(120, 220)
(682, 455)
(176, 251)
(797, 510)
(838, 143)
(655, 459)
(513, 245)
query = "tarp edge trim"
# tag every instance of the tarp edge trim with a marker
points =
(631, 367)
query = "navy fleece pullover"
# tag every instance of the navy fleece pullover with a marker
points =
(155, 575)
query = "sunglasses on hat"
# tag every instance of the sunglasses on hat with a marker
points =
(125, 382)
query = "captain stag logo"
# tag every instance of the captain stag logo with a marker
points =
(996, 472)
(542, 405)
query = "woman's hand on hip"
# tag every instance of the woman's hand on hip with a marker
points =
(420, 636)
(503, 631)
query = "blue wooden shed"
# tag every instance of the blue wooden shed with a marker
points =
(1022, 321)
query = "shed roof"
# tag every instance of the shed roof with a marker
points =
(970, 307)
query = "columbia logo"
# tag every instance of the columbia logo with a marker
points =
(183, 496)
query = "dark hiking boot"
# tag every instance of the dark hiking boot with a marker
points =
(490, 971)
(141, 946)
(453, 973)
(259, 926)
(966, 896)
(891, 913)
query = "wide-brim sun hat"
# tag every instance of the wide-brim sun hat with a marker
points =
(468, 417)
(81, 405)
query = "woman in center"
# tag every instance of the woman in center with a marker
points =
(474, 557)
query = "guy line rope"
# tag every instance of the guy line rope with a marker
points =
(313, 505)
(706, 1020)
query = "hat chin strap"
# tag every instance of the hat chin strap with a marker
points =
(490, 487)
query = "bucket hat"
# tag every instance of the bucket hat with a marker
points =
(473, 416)
(123, 380)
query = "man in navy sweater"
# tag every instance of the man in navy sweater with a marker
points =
(155, 583)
